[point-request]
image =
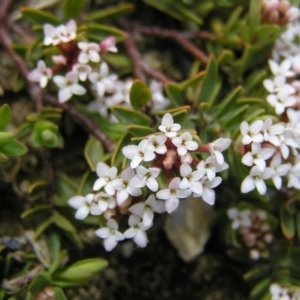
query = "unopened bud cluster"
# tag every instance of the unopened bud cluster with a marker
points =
(163, 169)
(278, 12)
(253, 229)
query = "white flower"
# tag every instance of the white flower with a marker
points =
(89, 52)
(84, 206)
(100, 106)
(240, 218)
(41, 74)
(105, 201)
(272, 132)
(184, 143)
(139, 153)
(219, 146)
(110, 234)
(257, 156)
(294, 175)
(274, 86)
(102, 80)
(146, 210)
(145, 177)
(68, 86)
(60, 34)
(279, 170)
(106, 177)
(279, 293)
(211, 167)
(252, 133)
(256, 179)
(157, 143)
(168, 126)
(160, 102)
(282, 99)
(82, 70)
(108, 45)
(172, 194)
(123, 188)
(284, 69)
(208, 194)
(137, 231)
(67, 32)
(191, 180)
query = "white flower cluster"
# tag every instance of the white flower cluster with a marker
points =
(80, 64)
(284, 86)
(281, 293)
(163, 157)
(271, 150)
(254, 230)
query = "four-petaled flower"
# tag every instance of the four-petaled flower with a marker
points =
(139, 153)
(168, 126)
(184, 143)
(173, 194)
(68, 86)
(110, 234)
(41, 74)
(106, 177)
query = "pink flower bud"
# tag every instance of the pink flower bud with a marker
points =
(59, 59)
(108, 45)
(254, 254)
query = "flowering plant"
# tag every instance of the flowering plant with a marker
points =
(120, 132)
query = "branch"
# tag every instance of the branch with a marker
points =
(182, 38)
(82, 120)
(135, 57)
(33, 90)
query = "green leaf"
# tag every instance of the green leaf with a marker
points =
(111, 12)
(38, 17)
(63, 223)
(118, 156)
(54, 249)
(66, 187)
(5, 116)
(298, 223)
(139, 131)
(37, 188)
(59, 294)
(209, 81)
(39, 283)
(139, 94)
(175, 94)
(225, 57)
(78, 274)
(129, 116)
(93, 152)
(13, 148)
(287, 223)
(228, 103)
(257, 273)
(93, 265)
(266, 35)
(42, 227)
(72, 9)
(260, 289)
(5, 137)
(35, 210)
(97, 32)
(192, 81)
(74, 238)
(254, 14)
